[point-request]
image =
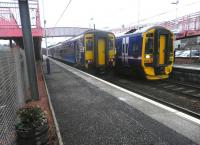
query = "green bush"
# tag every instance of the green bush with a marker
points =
(30, 118)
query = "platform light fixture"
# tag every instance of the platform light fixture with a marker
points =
(176, 3)
(45, 30)
(138, 14)
(92, 24)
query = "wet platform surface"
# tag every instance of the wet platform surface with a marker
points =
(92, 112)
(188, 66)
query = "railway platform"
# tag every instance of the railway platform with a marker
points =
(92, 111)
(186, 72)
(193, 67)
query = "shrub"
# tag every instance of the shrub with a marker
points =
(30, 118)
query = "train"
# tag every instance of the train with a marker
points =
(147, 52)
(94, 49)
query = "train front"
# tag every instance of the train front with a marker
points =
(157, 53)
(99, 50)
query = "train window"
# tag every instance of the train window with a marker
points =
(149, 45)
(89, 45)
(122, 48)
(149, 35)
(126, 48)
(135, 49)
(110, 44)
(171, 45)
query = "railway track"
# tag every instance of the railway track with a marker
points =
(185, 89)
(177, 107)
(152, 91)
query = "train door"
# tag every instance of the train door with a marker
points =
(125, 42)
(77, 52)
(161, 50)
(101, 51)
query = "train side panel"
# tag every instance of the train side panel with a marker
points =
(68, 53)
(129, 50)
(135, 50)
(79, 52)
(93, 49)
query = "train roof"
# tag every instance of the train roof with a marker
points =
(88, 31)
(96, 30)
(53, 46)
(79, 36)
(144, 29)
(141, 30)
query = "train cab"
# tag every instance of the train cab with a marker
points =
(147, 52)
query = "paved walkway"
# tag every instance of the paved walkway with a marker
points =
(91, 114)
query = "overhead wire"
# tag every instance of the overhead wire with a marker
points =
(62, 13)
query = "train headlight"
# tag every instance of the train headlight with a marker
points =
(90, 61)
(111, 59)
(148, 56)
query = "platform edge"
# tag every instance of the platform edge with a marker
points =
(60, 142)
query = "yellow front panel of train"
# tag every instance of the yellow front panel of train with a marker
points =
(162, 49)
(112, 49)
(101, 51)
(89, 47)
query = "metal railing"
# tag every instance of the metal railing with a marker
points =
(188, 25)
(9, 13)
(10, 24)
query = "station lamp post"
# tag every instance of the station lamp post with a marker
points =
(176, 3)
(92, 24)
(45, 37)
(45, 30)
(138, 14)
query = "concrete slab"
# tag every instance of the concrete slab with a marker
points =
(91, 111)
(187, 66)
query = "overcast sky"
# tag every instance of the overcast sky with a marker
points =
(113, 13)
(109, 14)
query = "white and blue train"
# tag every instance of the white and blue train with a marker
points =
(147, 52)
(94, 49)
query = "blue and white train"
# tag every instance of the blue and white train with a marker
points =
(147, 52)
(94, 49)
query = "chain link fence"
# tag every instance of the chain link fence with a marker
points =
(13, 86)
